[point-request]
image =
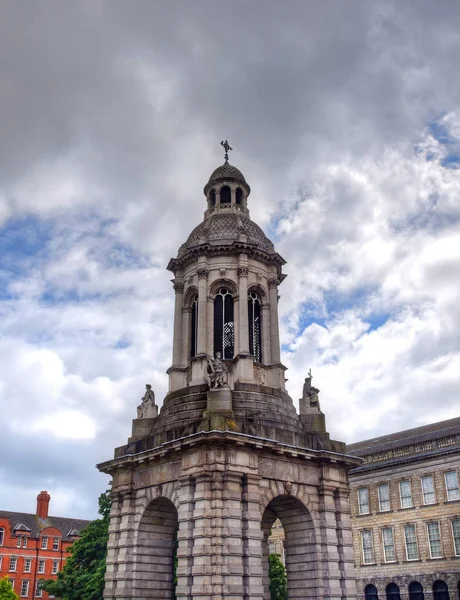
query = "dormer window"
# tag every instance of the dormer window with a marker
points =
(225, 195)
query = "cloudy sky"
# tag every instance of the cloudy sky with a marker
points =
(344, 117)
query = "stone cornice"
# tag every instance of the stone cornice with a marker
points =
(253, 443)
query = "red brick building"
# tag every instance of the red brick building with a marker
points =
(34, 546)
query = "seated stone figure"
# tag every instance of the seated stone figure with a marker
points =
(147, 409)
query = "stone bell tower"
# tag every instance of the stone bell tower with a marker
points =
(205, 479)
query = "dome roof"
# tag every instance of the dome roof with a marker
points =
(225, 171)
(225, 228)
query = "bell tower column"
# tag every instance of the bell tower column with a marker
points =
(274, 328)
(202, 303)
(242, 271)
(177, 341)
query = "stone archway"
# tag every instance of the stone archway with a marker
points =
(154, 551)
(301, 554)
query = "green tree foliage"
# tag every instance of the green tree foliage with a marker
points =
(6, 591)
(278, 578)
(82, 577)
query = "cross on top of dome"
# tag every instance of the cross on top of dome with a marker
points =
(226, 148)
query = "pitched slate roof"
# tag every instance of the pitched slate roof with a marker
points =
(35, 524)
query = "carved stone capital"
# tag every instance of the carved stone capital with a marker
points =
(273, 283)
(203, 273)
(242, 271)
(178, 287)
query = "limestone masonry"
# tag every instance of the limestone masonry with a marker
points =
(228, 454)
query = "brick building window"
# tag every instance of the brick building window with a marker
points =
(1, 560)
(384, 497)
(456, 535)
(24, 588)
(56, 543)
(367, 547)
(44, 545)
(2, 535)
(388, 542)
(434, 539)
(410, 539)
(452, 487)
(38, 589)
(41, 566)
(405, 494)
(27, 565)
(429, 496)
(11, 582)
(363, 501)
(13, 563)
(55, 568)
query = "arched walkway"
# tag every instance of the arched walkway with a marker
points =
(154, 551)
(440, 590)
(300, 547)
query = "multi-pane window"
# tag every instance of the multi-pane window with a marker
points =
(410, 538)
(388, 541)
(367, 546)
(13, 563)
(384, 497)
(19, 541)
(2, 535)
(429, 496)
(11, 582)
(44, 542)
(27, 565)
(55, 568)
(41, 566)
(456, 535)
(38, 590)
(405, 493)
(434, 539)
(56, 543)
(452, 487)
(25, 588)
(224, 327)
(194, 328)
(1, 560)
(363, 501)
(255, 334)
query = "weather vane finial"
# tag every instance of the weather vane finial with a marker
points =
(226, 146)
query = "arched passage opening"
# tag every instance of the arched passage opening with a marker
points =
(154, 554)
(440, 590)
(300, 552)
(370, 592)
(416, 591)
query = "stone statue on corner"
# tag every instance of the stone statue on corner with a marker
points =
(217, 372)
(310, 397)
(147, 409)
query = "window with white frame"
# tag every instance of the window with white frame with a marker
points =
(24, 588)
(13, 563)
(428, 493)
(44, 545)
(38, 589)
(384, 497)
(56, 543)
(456, 535)
(405, 493)
(434, 539)
(1, 560)
(41, 566)
(2, 535)
(19, 541)
(24, 541)
(27, 565)
(452, 487)
(410, 539)
(367, 546)
(363, 501)
(55, 568)
(388, 542)
(11, 582)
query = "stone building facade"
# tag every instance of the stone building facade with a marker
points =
(405, 504)
(228, 454)
(34, 546)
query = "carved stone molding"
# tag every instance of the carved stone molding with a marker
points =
(178, 287)
(273, 283)
(242, 271)
(203, 273)
(158, 490)
(259, 374)
(287, 487)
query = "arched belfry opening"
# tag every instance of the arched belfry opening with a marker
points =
(228, 455)
(300, 547)
(155, 551)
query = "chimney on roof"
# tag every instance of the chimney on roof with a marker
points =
(43, 502)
